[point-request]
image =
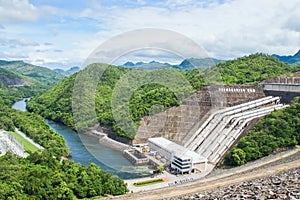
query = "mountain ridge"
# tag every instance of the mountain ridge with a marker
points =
(186, 64)
(8, 78)
(32, 74)
(291, 59)
(67, 72)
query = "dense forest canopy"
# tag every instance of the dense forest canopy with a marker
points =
(56, 104)
(46, 174)
(253, 69)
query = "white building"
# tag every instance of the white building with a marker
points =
(180, 158)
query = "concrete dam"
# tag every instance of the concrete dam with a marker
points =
(210, 121)
(180, 123)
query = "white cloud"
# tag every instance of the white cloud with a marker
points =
(227, 30)
(13, 11)
(48, 44)
(17, 42)
(7, 55)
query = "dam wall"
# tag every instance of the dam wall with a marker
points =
(179, 123)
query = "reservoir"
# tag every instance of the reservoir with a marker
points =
(86, 149)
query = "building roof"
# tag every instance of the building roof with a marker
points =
(177, 150)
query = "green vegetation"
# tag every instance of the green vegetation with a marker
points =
(47, 174)
(35, 128)
(56, 103)
(252, 69)
(35, 79)
(148, 97)
(41, 176)
(8, 78)
(148, 182)
(41, 76)
(160, 169)
(27, 145)
(280, 129)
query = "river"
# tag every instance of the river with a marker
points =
(86, 149)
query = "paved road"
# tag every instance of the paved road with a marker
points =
(170, 180)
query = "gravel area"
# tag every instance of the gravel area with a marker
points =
(284, 185)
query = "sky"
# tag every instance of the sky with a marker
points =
(63, 33)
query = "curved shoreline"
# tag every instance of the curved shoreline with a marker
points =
(108, 142)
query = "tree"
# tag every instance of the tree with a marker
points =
(160, 168)
(236, 157)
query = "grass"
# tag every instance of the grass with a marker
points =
(27, 145)
(148, 182)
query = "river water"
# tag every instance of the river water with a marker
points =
(86, 149)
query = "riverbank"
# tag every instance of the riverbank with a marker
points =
(86, 149)
(108, 142)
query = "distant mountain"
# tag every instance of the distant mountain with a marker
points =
(32, 74)
(60, 71)
(149, 66)
(8, 78)
(186, 64)
(295, 59)
(128, 64)
(192, 63)
(68, 72)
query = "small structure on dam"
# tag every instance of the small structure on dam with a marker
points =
(287, 87)
(136, 157)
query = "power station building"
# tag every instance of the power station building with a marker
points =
(181, 159)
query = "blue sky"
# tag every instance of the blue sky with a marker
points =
(62, 33)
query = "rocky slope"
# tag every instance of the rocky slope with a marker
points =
(284, 185)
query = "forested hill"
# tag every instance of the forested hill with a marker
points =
(253, 69)
(19, 80)
(8, 78)
(34, 75)
(56, 103)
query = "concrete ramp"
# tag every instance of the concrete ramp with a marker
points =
(223, 127)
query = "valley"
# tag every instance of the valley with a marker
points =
(215, 120)
(141, 99)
